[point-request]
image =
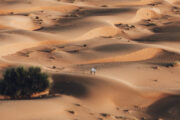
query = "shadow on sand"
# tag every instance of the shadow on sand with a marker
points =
(167, 108)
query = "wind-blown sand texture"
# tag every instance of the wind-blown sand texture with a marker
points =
(133, 44)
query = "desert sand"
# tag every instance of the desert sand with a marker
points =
(133, 44)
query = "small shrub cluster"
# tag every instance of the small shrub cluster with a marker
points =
(20, 83)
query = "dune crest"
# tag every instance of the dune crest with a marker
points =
(107, 31)
(140, 55)
(147, 13)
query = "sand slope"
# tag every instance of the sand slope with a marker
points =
(133, 44)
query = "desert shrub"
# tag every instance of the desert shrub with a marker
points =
(20, 83)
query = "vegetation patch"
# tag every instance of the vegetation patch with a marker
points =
(21, 83)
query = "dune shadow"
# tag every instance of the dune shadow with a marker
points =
(165, 59)
(69, 85)
(175, 27)
(104, 11)
(167, 108)
(160, 37)
(165, 33)
(50, 96)
(116, 47)
(77, 24)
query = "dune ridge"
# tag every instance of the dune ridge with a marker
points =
(147, 13)
(133, 44)
(140, 55)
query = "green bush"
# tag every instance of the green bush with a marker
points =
(19, 82)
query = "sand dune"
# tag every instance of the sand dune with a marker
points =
(18, 22)
(147, 13)
(85, 87)
(101, 32)
(140, 55)
(173, 1)
(133, 44)
(18, 7)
